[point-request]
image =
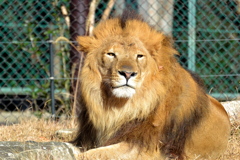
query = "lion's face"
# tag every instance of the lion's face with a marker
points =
(123, 65)
(123, 61)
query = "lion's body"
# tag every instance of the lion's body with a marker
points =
(137, 102)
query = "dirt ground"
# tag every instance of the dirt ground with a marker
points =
(40, 130)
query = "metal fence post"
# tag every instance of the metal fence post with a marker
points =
(52, 76)
(191, 35)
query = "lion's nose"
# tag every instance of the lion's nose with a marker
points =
(127, 75)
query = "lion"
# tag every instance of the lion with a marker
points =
(137, 102)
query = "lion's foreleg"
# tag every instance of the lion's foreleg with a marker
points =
(119, 151)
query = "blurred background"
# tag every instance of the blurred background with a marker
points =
(39, 70)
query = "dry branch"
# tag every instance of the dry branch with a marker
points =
(107, 11)
(65, 13)
(91, 17)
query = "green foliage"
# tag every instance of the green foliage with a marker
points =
(25, 58)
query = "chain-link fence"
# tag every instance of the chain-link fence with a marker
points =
(38, 74)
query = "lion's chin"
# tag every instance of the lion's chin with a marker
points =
(123, 92)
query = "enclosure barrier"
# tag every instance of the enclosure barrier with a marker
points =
(39, 74)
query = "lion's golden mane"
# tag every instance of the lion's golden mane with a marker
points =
(166, 115)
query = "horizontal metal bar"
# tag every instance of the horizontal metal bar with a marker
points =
(25, 91)
(225, 96)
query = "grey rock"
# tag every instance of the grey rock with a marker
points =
(37, 151)
(233, 110)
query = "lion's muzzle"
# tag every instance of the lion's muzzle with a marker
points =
(124, 87)
(127, 75)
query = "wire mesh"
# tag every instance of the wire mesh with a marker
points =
(206, 34)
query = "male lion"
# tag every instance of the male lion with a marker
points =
(137, 102)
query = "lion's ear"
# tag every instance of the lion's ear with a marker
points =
(168, 42)
(86, 43)
(160, 44)
(164, 44)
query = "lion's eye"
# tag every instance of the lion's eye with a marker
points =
(110, 54)
(139, 56)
